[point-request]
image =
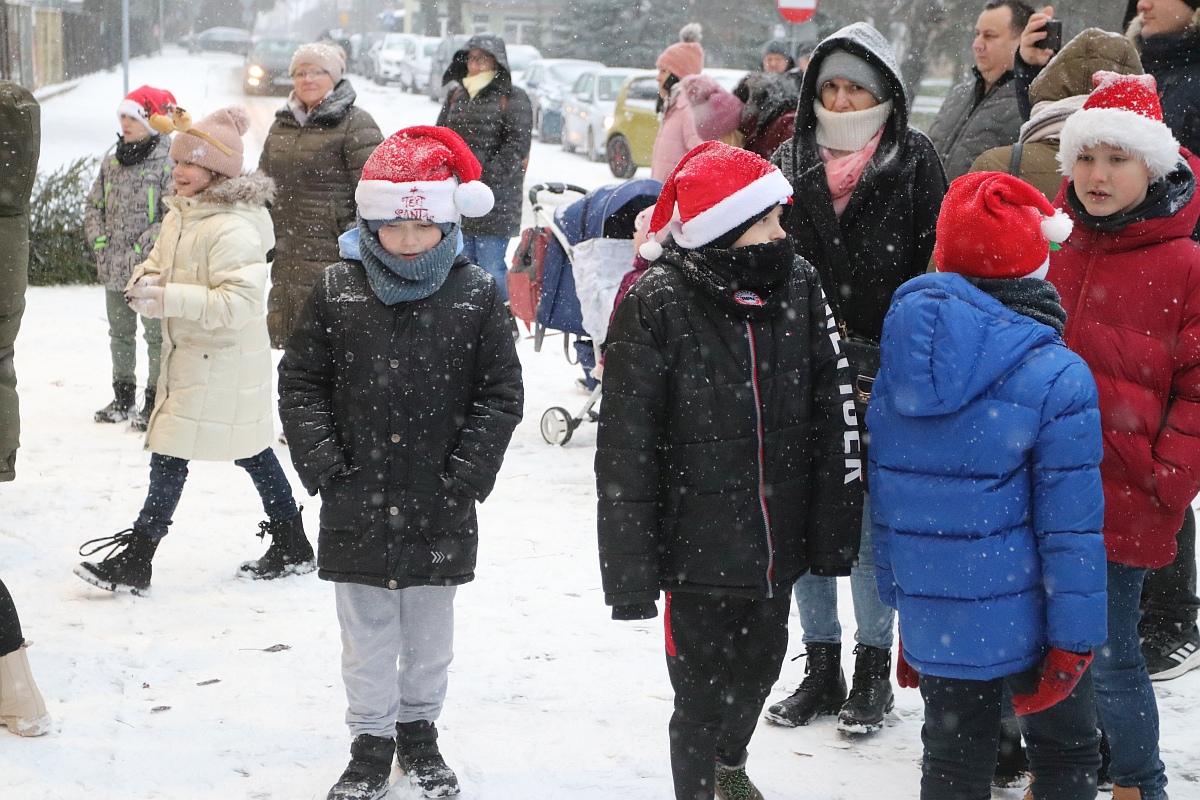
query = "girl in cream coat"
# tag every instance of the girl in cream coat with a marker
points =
(206, 279)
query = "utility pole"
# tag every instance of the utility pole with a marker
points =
(125, 41)
(162, 25)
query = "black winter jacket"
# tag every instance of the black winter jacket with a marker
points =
(496, 125)
(1174, 61)
(886, 234)
(399, 416)
(727, 456)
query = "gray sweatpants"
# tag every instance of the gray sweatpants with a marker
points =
(397, 645)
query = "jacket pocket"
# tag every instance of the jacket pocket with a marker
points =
(442, 540)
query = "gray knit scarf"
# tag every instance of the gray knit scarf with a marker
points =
(1033, 297)
(397, 280)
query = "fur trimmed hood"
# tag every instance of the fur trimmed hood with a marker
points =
(252, 189)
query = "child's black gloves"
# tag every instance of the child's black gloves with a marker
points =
(632, 611)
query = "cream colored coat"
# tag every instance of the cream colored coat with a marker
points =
(214, 394)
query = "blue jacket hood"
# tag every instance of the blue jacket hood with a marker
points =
(945, 342)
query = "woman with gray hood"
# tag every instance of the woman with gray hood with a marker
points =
(868, 189)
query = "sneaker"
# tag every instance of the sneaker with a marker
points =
(821, 693)
(123, 405)
(418, 755)
(289, 554)
(370, 768)
(1171, 651)
(734, 784)
(127, 565)
(871, 696)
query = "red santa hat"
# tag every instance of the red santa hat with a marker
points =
(423, 172)
(993, 225)
(1122, 111)
(717, 188)
(144, 101)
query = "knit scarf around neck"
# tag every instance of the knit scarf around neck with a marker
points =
(397, 280)
(130, 153)
(474, 84)
(748, 282)
(1033, 297)
(842, 172)
(850, 130)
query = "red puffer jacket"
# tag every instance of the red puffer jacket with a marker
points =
(1133, 313)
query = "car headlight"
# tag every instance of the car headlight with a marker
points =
(256, 71)
(608, 122)
(253, 81)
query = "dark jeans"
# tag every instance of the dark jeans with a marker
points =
(962, 724)
(727, 655)
(168, 474)
(1169, 594)
(10, 626)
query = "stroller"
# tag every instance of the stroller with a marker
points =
(565, 275)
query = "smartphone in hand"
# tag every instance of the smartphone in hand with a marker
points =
(1053, 40)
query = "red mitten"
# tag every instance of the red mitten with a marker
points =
(1060, 672)
(906, 676)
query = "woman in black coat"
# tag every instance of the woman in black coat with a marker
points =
(865, 218)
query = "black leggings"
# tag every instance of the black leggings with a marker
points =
(10, 627)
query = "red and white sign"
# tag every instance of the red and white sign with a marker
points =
(797, 10)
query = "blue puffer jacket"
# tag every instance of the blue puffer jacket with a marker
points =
(985, 484)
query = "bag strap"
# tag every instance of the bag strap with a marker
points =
(1014, 161)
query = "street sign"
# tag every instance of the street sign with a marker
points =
(797, 10)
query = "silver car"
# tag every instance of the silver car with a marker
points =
(588, 110)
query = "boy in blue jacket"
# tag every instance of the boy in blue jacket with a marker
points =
(984, 469)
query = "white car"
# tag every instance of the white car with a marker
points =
(588, 109)
(414, 69)
(392, 52)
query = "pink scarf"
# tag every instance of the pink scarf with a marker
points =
(843, 173)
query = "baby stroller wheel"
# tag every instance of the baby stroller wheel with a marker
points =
(558, 425)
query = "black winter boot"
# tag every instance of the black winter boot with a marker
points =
(126, 567)
(418, 755)
(821, 693)
(141, 420)
(289, 553)
(366, 776)
(870, 692)
(123, 406)
(1011, 762)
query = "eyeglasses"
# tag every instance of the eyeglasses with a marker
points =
(479, 59)
(309, 73)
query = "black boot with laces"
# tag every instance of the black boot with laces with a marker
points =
(141, 420)
(821, 693)
(870, 692)
(289, 554)
(418, 755)
(126, 565)
(370, 768)
(123, 405)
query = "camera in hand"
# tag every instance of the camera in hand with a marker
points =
(1053, 40)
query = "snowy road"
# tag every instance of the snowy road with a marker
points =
(548, 697)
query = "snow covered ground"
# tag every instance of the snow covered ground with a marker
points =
(184, 695)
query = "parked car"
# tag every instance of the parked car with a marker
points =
(268, 65)
(587, 113)
(224, 40)
(391, 53)
(547, 81)
(630, 142)
(440, 62)
(363, 62)
(520, 56)
(414, 69)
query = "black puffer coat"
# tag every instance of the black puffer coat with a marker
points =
(316, 168)
(496, 125)
(885, 236)
(399, 416)
(1174, 61)
(727, 456)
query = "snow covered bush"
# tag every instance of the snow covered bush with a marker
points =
(59, 251)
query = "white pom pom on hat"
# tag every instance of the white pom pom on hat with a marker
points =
(424, 172)
(1057, 228)
(650, 250)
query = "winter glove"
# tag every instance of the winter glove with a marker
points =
(906, 676)
(633, 611)
(1060, 672)
(146, 297)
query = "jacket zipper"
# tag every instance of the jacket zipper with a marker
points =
(1084, 287)
(762, 481)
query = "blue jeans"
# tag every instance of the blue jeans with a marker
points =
(816, 600)
(488, 252)
(1125, 699)
(168, 474)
